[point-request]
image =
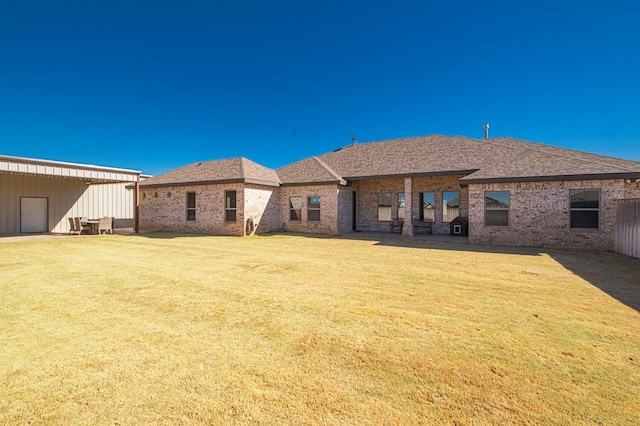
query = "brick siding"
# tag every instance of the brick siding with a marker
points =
(328, 223)
(165, 209)
(539, 214)
(538, 211)
(345, 207)
(262, 205)
(368, 191)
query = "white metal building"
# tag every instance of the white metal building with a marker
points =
(40, 195)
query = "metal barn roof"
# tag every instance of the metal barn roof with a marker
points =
(88, 172)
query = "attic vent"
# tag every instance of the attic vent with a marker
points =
(486, 130)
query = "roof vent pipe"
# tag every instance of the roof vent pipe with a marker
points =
(486, 130)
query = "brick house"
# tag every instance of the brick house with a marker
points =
(509, 191)
(214, 197)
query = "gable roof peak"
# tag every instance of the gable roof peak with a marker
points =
(226, 170)
(329, 169)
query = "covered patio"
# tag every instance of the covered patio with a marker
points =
(39, 196)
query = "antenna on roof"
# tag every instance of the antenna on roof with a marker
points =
(354, 138)
(486, 130)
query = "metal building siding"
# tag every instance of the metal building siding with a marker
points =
(68, 197)
(110, 200)
(60, 169)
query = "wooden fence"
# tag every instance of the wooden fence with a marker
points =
(627, 230)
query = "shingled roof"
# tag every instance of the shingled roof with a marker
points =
(230, 170)
(310, 170)
(481, 160)
(428, 155)
(478, 160)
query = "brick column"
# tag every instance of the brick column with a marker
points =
(407, 229)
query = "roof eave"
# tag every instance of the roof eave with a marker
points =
(405, 175)
(515, 179)
(190, 183)
(209, 182)
(325, 182)
(55, 163)
(262, 182)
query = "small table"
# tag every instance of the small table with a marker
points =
(93, 224)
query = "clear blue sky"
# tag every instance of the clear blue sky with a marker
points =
(154, 85)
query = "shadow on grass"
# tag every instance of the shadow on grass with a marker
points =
(167, 235)
(615, 274)
(422, 242)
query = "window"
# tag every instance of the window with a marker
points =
(428, 206)
(585, 208)
(230, 206)
(313, 209)
(295, 208)
(401, 206)
(450, 205)
(191, 206)
(384, 207)
(496, 208)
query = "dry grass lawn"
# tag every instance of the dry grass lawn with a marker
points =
(285, 329)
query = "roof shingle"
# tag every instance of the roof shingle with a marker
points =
(479, 160)
(218, 171)
(309, 170)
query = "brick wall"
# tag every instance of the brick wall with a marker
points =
(439, 184)
(632, 190)
(539, 214)
(328, 194)
(165, 209)
(368, 191)
(345, 207)
(367, 196)
(262, 205)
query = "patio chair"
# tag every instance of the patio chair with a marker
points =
(72, 226)
(80, 228)
(105, 225)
